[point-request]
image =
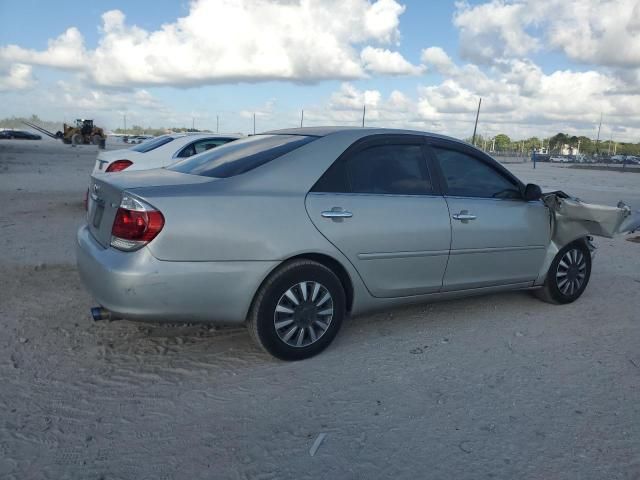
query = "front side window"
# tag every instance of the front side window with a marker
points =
(240, 156)
(467, 176)
(382, 169)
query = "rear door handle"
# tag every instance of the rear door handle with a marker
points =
(336, 212)
(463, 216)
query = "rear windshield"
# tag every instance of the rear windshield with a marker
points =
(240, 156)
(152, 144)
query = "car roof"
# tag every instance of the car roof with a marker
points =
(360, 131)
(204, 134)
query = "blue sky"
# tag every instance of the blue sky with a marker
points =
(508, 52)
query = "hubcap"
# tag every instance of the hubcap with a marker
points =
(572, 271)
(303, 314)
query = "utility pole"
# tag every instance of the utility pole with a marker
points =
(475, 126)
(598, 137)
(254, 123)
(364, 112)
(217, 124)
(301, 118)
(125, 124)
(193, 124)
(610, 141)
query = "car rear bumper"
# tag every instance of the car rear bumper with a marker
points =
(138, 286)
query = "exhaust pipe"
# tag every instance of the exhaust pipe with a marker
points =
(100, 313)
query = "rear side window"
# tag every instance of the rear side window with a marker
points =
(152, 144)
(240, 156)
(383, 169)
(467, 176)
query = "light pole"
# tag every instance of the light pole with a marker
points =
(473, 139)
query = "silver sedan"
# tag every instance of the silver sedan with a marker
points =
(293, 230)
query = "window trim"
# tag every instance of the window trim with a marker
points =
(479, 155)
(377, 140)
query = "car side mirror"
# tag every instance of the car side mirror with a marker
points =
(532, 192)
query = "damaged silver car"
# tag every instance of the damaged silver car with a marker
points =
(290, 231)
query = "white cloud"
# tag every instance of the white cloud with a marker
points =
(382, 20)
(518, 98)
(600, 32)
(438, 58)
(596, 32)
(350, 98)
(17, 77)
(227, 41)
(495, 29)
(383, 61)
(65, 52)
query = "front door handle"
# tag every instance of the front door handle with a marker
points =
(336, 212)
(463, 216)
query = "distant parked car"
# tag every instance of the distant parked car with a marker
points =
(159, 152)
(291, 231)
(560, 159)
(19, 134)
(625, 159)
(136, 139)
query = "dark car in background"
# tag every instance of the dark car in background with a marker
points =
(19, 134)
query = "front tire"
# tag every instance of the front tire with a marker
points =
(298, 310)
(568, 275)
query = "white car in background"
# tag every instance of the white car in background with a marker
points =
(134, 139)
(159, 152)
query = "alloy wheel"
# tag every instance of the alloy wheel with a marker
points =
(303, 314)
(571, 272)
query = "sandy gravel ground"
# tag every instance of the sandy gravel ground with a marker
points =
(500, 386)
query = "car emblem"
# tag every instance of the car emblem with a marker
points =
(96, 188)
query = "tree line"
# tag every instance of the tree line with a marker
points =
(555, 143)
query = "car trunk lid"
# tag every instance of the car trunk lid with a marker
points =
(105, 194)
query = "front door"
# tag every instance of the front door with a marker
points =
(497, 237)
(378, 206)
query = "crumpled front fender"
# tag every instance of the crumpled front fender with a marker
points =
(573, 219)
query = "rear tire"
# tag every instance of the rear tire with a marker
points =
(298, 310)
(96, 139)
(568, 275)
(77, 139)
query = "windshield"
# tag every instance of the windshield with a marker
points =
(240, 156)
(152, 144)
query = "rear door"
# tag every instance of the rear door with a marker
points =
(378, 205)
(497, 237)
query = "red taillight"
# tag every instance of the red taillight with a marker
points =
(135, 224)
(119, 165)
(139, 226)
